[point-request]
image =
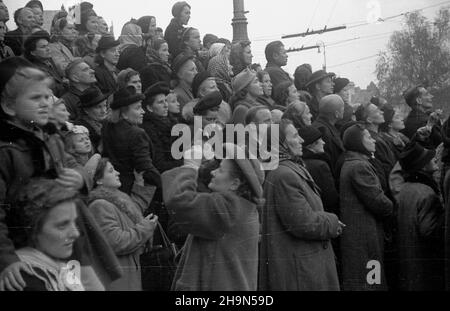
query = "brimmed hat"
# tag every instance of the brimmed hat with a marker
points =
(198, 80)
(91, 166)
(157, 88)
(309, 134)
(178, 7)
(415, 157)
(210, 101)
(318, 76)
(242, 80)
(180, 60)
(92, 97)
(106, 42)
(125, 97)
(340, 84)
(251, 168)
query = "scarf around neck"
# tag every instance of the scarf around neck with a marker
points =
(58, 276)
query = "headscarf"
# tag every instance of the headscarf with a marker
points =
(131, 35)
(216, 49)
(58, 276)
(218, 67)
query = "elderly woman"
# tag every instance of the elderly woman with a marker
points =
(185, 70)
(241, 56)
(129, 77)
(296, 252)
(219, 67)
(221, 251)
(121, 219)
(93, 114)
(64, 35)
(247, 89)
(298, 112)
(266, 98)
(131, 49)
(49, 213)
(158, 68)
(364, 207)
(107, 56)
(125, 143)
(37, 51)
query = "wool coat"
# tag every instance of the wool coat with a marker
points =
(73, 102)
(277, 74)
(130, 149)
(132, 57)
(105, 80)
(332, 138)
(363, 207)
(120, 219)
(295, 252)
(221, 251)
(173, 35)
(61, 55)
(240, 110)
(420, 221)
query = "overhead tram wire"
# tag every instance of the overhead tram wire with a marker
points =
(354, 61)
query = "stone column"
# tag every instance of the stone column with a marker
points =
(239, 21)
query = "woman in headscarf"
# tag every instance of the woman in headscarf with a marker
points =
(364, 207)
(296, 252)
(63, 37)
(266, 83)
(158, 67)
(219, 67)
(148, 27)
(131, 49)
(298, 112)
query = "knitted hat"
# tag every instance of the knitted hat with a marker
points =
(251, 168)
(242, 80)
(309, 134)
(208, 102)
(125, 97)
(353, 139)
(339, 84)
(414, 157)
(178, 7)
(198, 80)
(92, 97)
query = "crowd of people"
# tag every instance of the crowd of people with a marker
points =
(92, 196)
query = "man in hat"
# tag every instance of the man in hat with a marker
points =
(331, 110)
(342, 87)
(320, 84)
(106, 71)
(94, 109)
(181, 12)
(420, 219)
(25, 21)
(421, 117)
(276, 57)
(81, 76)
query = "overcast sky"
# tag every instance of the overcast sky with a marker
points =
(269, 20)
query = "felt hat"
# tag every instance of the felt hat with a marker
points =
(106, 42)
(414, 157)
(251, 168)
(125, 97)
(317, 76)
(198, 80)
(92, 97)
(157, 88)
(210, 101)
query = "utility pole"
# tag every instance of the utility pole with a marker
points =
(239, 22)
